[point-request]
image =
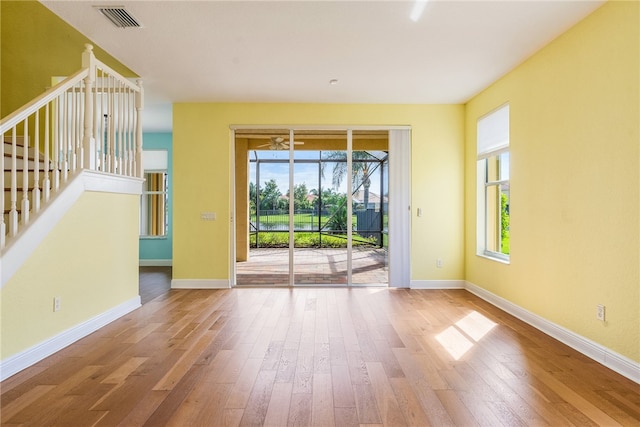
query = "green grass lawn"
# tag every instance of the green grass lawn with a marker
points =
(306, 240)
(299, 220)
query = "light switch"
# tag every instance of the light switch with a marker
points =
(208, 216)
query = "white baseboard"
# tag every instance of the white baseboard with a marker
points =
(155, 263)
(438, 284)
(200, 284)
(612, 360)
(30, 356)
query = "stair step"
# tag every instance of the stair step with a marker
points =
(19, 140)
(7, 149)
(20, 164)
(19, 177)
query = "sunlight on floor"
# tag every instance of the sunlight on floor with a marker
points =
(474, 325)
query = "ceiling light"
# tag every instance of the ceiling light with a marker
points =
(333, 81)
(417, 10)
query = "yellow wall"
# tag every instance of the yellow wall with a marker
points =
(37, 45)
(203, 169)
(575, 237)
(89, 260)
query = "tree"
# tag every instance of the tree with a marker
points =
(300, 196)
(504, 218)
(270, 196)
(338, 217)
(361, 170)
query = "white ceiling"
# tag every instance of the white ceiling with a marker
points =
(288, 51)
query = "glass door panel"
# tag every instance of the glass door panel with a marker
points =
(265, 185)
(370, 197)
(320, 243)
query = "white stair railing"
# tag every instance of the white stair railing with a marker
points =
(91, 120)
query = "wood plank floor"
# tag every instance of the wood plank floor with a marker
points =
(321, 357)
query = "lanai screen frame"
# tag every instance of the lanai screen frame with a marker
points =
(321, 229)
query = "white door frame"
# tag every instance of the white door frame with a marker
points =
(399, 257)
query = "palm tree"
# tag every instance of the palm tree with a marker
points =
(361, 170)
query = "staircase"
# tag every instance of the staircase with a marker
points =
(88, 122)
(28, 177)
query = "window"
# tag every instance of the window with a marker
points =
(154, 220)
(493, 239)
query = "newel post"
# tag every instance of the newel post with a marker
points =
(88, 150)
(139, 107)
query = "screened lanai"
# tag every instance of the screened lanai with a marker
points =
(316, 178)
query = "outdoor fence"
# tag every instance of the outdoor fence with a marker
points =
(369, 226)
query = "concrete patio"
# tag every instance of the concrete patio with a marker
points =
(313, 266)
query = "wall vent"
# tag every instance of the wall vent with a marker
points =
(119, 16)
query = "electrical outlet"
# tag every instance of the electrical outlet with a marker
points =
(600, 312)
(56, 303)
(439, 263)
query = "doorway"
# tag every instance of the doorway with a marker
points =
(312, 207)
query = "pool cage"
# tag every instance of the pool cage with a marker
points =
(320, 212)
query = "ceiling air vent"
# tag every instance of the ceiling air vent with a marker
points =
(119, 16)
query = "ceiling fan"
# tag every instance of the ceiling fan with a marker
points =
(279, 143)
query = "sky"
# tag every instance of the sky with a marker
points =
(306, 173)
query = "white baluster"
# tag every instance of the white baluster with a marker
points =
(46, 182)
(112, 126)
(129, 134)
(3, 226)
(35, 193)
(139, 108)
(88, 148)
(132, 131)
(121, 157)
(13, 213)
(125, 126)
(65, 137)
(56, 145)
(24, 214)
(102, 118)
(73, 136)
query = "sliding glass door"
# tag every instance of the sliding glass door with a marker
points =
(317, 209)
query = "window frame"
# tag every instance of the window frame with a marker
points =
(155, 162)
(496, 149)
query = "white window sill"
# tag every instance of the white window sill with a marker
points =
(492, 257)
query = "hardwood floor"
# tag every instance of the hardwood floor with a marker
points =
(322, 357)
(154, 281)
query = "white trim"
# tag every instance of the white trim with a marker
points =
(30, 356)
(400, 208)
(155, 262)
(437, 284)
(110, 183)
(232, 209)
(349, 179)
(19, 249)
(200, 284)
(400, 266)
(292, 211)
(316, 127)
(612, 360)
